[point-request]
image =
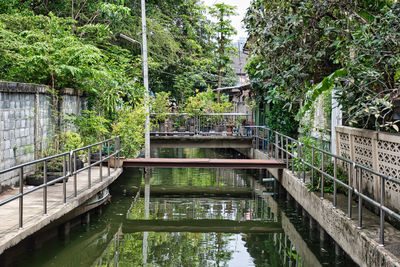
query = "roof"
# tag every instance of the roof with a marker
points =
(234, 89)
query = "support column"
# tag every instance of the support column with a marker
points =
(336, 120)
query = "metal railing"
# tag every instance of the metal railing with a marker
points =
(69, 169)
(310, 162)
(200, 124)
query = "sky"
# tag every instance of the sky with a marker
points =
(242, 6)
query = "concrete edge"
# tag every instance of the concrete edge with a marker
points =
(364, 250)
(46, 220)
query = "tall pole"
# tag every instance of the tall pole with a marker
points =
(146, 82)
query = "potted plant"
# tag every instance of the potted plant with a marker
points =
(72, 141)
(37, 178)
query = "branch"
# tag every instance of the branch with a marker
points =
(79, 11)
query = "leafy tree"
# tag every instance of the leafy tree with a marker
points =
(302, 48)
(225, 31)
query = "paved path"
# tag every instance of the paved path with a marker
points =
(34, 220)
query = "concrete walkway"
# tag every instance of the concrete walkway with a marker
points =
(33, 218)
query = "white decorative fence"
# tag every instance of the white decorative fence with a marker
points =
(376, 150)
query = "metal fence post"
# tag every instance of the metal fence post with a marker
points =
(75, 175)
(359, 172)
(382, 214)
(108, 159)
(21, 198)
(64, 180)
(115, 154)
(45, 187)
(303, 159)
(322, 175)
(118, 147)
(287, 153)
(276, 146)
(351, 166)
(334, 181)
(90, 167)
(312, 165)
(292, 152)
(101, 162)
(299, 157)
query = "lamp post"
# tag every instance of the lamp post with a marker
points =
(146, 82)
(145, 78)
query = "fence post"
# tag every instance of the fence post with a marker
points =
(90, 167)
(21, 198)
(350, 176)
(359, 172)
(118, 147)
(322, 174)
(382, 214)
(108, 159)
(64, 180)
(101, 161)
(75, 175)
(45, 187)
(276, 145)
(334, 181)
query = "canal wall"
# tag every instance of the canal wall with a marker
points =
(26, 122)
(360, 244)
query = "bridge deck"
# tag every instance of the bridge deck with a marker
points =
(204, 163)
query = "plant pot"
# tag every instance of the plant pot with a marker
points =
(114, 163)
(36, 180)
(94, 157)
(229, 128)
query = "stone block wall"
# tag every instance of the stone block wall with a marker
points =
(26, 123)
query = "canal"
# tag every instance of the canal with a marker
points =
(193, 217)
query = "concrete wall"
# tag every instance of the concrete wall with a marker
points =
(360, 244)
(378, 151)
(26, 123)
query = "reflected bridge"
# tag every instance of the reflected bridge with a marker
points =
(201, 226)
(203, 163)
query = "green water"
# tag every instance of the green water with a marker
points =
(252, 228)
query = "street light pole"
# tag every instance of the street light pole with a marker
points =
(146, 82)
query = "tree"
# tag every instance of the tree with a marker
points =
(225, 31)
(303, 48)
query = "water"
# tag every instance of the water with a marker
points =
(192, 217)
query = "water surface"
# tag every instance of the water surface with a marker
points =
(245, 225)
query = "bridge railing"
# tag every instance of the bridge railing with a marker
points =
(321, 169)
(200, 124)
(68, 163)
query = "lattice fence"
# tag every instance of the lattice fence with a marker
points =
(376, 150)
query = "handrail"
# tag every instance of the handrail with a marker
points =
(203, 114)
(283, 147)
(69, 169)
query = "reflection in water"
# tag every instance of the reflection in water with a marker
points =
(163, 229)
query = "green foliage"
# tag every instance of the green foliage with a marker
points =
(91, 127)
(224, 30)
(282, 120)
(71, 141)
(298, 43)
(130, 128)
(325, 85)
(206, 102)
(160, 105)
